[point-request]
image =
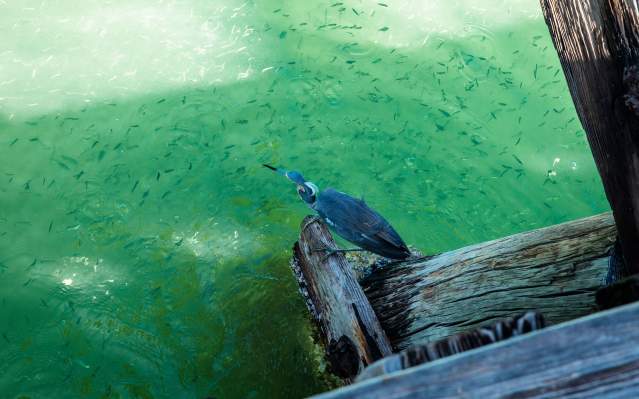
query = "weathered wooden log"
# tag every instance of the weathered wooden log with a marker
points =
(555, 270)
(415, 355)
(348, 327)
(595, 356)
(598, 45)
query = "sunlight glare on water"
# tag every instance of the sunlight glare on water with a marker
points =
(144, 250)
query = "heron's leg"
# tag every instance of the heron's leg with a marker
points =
(617, 268)
(345, 250)
(332, 251)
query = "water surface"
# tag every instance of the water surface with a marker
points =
(144, 250)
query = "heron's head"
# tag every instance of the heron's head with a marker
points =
(307, 191)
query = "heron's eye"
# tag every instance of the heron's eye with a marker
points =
(312, 188)
(307, 192)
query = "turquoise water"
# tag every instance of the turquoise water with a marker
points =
(144, 250)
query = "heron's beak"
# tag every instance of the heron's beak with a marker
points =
(277, 170)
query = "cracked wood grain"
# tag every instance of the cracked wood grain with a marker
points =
(348, 327)
(555, 271)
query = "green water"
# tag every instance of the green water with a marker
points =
(144, 250)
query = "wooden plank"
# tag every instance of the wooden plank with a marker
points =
(596, 356)
(598, 45)
(348, 327)
(554, 270)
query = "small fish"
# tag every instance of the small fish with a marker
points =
(69, 159)
(50, 226)
(62, 165)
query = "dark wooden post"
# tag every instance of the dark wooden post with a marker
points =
(598, 45)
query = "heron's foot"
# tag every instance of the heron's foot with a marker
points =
(327, 252)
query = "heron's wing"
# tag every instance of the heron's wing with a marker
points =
(354, 220)
(390, 236)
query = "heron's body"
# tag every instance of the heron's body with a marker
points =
(356, 222)
(350, 218)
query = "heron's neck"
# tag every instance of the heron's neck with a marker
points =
(312, 205)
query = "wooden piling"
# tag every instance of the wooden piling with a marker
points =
(554, 270)
(598, 45)
(348, 327)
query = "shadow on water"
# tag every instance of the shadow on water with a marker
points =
(146, 236)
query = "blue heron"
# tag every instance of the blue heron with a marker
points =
(350, 218)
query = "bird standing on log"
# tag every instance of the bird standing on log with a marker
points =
(350, 218)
